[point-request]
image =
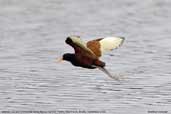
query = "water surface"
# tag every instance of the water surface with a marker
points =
(32, 35)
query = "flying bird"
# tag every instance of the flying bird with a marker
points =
(87, 55)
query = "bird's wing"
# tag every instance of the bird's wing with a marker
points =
(102, 45)
(80, 46)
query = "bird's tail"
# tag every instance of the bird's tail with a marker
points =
(108, 73)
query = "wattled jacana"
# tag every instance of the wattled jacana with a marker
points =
(87, 54)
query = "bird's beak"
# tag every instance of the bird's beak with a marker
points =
(59, 60)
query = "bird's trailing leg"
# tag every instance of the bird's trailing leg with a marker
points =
(108, 73)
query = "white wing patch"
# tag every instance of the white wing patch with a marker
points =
(110, 43)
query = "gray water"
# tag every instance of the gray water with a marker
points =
(32, 36)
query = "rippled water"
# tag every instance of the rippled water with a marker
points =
(32, 34)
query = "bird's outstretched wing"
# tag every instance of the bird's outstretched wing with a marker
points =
(102, 45)
(80, 46)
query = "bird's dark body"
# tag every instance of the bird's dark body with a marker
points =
(85, 63)
(82, 58)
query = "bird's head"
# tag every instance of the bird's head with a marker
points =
(66, 57)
